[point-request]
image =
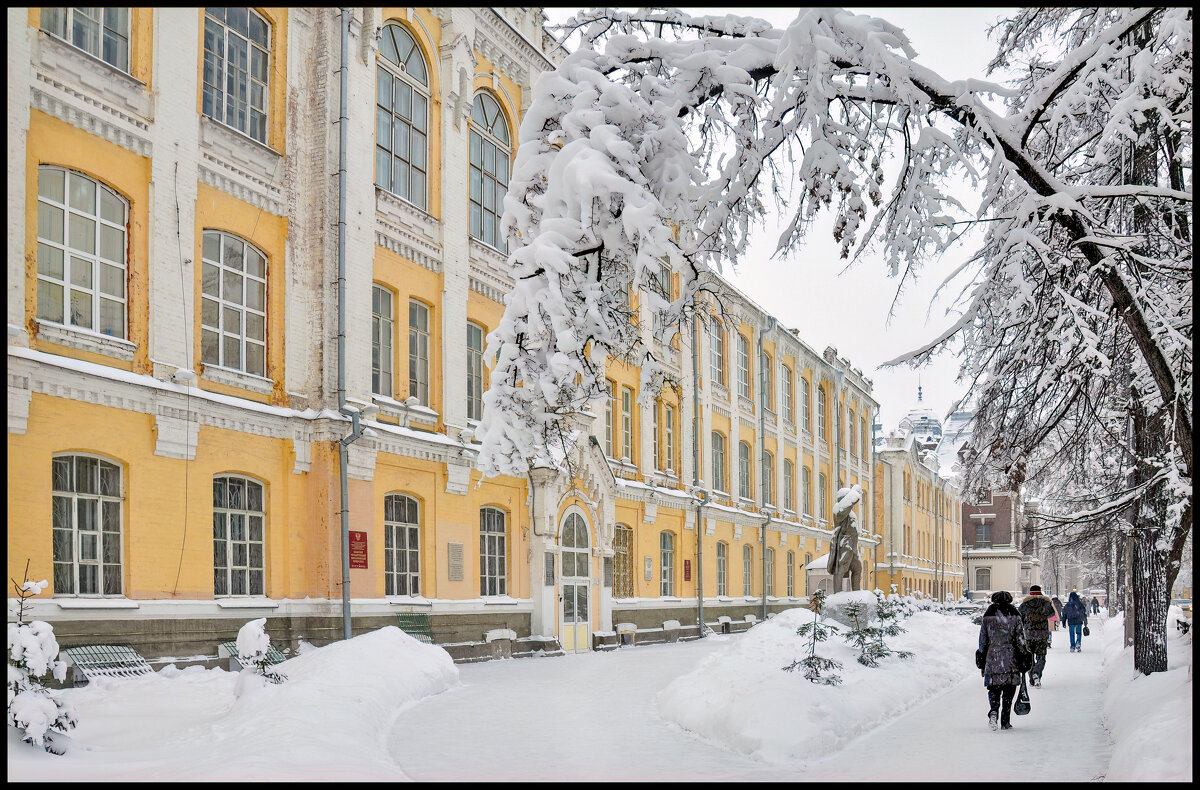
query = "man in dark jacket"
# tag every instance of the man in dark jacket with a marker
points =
(1036, 611)
(1095, 605)
(1001, 638)
(1075, 613)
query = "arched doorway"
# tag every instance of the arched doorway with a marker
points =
(576, 584)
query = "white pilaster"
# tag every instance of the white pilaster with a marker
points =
(19, 76)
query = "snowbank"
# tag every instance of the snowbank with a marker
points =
(741, 698)
(1148, 716)
(329, 721)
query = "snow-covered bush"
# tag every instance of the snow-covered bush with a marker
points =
(253, 645)
(32, 662)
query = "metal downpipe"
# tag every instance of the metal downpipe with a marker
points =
(343, 452)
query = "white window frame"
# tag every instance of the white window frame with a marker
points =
(66, 265)
(241, 294)
(717, 355)
(109, 34)
(401, 544)
(768, 478)
(67, 504)
(610, 429)
(745, 491)
(627, 423)
(418, 351)
(383, 330)
(252, 76)
(979, 576)
(669, 434)
(718, 461)
(657, 450)
(769, 586)
(228, 515)
(722, 568)
(791, 574)
(493, 577)
(822, 496)
(747, 569)
(486, 210)
(666, 554)
(768, 393)
(622, 562)
(789, 484)
(806, 401)
(806, 483)
(743, 351)
(822, 418)
(475, 332)
(789, 410)
(410, 124)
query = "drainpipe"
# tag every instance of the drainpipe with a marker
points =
(697, 482)
(891, 527)
(356, 427)
(762, 459)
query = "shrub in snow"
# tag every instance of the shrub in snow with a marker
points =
(32, 661)
(888, 611)
(253, 644)
(815, 666)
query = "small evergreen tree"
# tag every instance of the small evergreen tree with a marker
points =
(32, 662)
(862, 635)
(253, 646)
(815, 666)
(888, 611)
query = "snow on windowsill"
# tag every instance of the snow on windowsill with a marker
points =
(246, 603)
(499, 600)
(237, 378)
(408, 600)
(95, 603)
(86, 340)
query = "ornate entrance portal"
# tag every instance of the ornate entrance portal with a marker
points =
(576, 585)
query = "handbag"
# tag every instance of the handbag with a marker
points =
(1023, 659)
(980, 659)
(1022, 706)
(1086, 631)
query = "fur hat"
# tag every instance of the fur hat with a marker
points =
(1002, 596)
(1035, 589)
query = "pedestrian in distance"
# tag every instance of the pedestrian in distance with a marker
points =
(1095, 605)
(1075, 615)
(1036, 615)
(1002, 657)
(1057, 616)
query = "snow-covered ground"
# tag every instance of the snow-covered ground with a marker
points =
(384, 707)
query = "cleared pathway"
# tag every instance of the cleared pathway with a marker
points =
(593, 717)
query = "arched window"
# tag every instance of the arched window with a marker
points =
(233, 308)
(237, 536)
(722, 568)
(86, 502)
(791, 574)
(493, 570)
(983, 578)
(770, 585)
(237, 51)
(383, 329)
(622, 562)
(747, 568)
(401, 545)
(744, 489)
(718, 461)
(666, 547)
(576, 562)
(491, 152)
(402, 116)
(81, 252)
(789, 485)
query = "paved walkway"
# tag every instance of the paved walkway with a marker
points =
(593, 717)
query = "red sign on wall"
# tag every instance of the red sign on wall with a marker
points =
(358, 550)
(687, 570)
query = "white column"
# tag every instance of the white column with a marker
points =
(20, 74)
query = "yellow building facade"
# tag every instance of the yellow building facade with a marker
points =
(176, 413)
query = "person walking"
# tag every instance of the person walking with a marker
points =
(1036, 615)
(1057, 617)
(1095, 605)
(1075, 614)
(1001, 650)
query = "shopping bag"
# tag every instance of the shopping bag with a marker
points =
(1021, 706)
(1086, 631)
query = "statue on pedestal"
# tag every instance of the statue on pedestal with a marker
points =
(843, 548)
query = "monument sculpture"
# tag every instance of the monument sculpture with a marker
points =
(843, 548)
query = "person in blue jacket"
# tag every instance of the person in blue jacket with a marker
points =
(1075, 614)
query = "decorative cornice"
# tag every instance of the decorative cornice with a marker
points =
(407, 231)
(242, 167)
(88, 122)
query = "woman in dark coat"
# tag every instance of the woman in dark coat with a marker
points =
(1001, 637)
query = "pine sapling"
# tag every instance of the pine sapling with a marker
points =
(815, 666)
(889, 613)
(863, 635)
(32, 661)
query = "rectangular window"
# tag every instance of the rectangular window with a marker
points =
(101, 32)
(789, 482)
(717, 355)
(402, 545)
(382, 329)
(474, 372)
(722, 569)
(788, 397)
(768, 374)
(718, 462)
(743, 366)
(983, 535)
(853, 435)
(806, 402)
(418, 351)
(622, 586)
(744, 488)
(662, 282)
(609, 426)
(627, 423)
(770, 583)
(822, 428)
(806, 479)
(236, 67)
(768, 479)
(669, 436)
(658, 462)
(791, 574)
(823, 513)
(492, 553)
(747, 569)
(667, 563)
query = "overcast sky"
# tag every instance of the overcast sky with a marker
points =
(849, 309)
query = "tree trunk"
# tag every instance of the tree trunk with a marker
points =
(1150, 613)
